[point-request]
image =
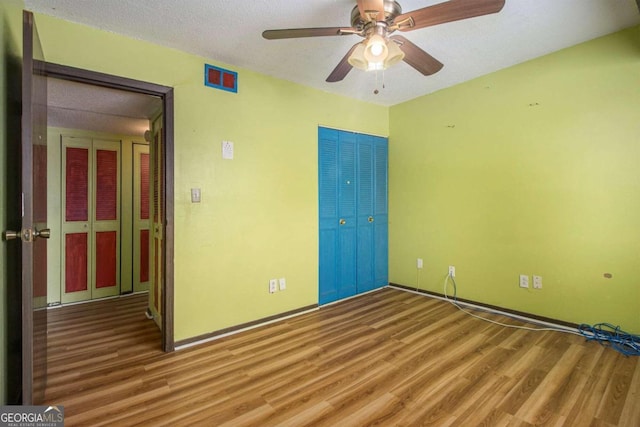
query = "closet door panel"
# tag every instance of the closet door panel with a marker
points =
(141, 213)
(365, 220)
(106, 219)
(381, 211)
(347, 221)
(328, 215)
(75, 269)
(76, 236)
(106, 259)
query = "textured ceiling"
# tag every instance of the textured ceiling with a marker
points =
(80, 106)
(230, 31)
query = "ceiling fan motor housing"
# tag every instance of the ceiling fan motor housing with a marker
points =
(391, 9)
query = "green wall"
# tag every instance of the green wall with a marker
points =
(530, 170)
(258, 215)
(10, 60)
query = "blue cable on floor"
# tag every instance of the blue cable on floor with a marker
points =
(612, 336)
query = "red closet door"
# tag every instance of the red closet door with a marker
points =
(141, 217)
(106, 219)
(76, 169)
(157, 223)
(91, 225)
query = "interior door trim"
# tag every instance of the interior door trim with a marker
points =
(29, 63)
(166, 94)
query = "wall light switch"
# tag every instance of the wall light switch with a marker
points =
(282, 283)
(227, 150)
(195, 195)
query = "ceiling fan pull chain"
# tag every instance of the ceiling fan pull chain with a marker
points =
(376, 91)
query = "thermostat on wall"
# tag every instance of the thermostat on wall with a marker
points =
(227, 150)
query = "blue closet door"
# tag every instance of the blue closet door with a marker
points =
(328, 210)
(365, 221)
(353, 240)
(347, 215)
(337, 207)
(381, 211)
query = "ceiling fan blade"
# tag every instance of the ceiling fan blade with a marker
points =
(368, 9)
(343, 67)
(418, 58)
(449, 11)
(307, 32)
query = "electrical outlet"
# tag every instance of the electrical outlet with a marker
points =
(452, 271)
(283, 283)
(524, 281)
(419, 263)
(537, 282)
(273, 285)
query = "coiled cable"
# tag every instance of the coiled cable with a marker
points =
(608, 335)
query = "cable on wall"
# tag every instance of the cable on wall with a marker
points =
(527, 328)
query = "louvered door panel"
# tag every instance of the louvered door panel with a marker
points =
(352, 238)
(347, 205)
(106, 219)
(76, 265)
(381, 212)
(365, 220)
(328, 215)
(141, 217)
(76, 234)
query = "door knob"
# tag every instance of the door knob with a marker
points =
(370, 219)
(45, 233)
(27, 235)
(11, 235)
(343, 221)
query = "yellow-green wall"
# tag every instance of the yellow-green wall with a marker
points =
(531, 170)
(10, 58)
(258, 215)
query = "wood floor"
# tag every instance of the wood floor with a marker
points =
(387, 358)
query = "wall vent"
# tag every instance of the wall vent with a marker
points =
(220, 78)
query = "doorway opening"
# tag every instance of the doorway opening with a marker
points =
(122, 242)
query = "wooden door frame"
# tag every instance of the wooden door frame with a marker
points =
(165, 93)
(26, 152)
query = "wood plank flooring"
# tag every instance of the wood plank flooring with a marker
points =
(387, 358)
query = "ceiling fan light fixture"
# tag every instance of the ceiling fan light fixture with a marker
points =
(376, 49)
(394, 56)
(357, 59)
(361, 60)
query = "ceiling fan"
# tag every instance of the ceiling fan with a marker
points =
(376, 20)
